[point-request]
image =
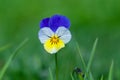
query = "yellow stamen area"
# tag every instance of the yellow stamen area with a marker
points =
(53, 44)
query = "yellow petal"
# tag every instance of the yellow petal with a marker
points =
(53, 46)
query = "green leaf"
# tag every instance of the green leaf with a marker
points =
(12, 56)
(80, 77)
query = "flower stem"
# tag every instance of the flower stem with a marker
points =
(56, 63)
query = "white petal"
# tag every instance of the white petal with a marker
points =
(44, 34)
(64, 34)
(53, 51)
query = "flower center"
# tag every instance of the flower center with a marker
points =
(54, 40)
(53, 44)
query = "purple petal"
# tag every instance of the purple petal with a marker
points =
(44, 22)
(57, 21)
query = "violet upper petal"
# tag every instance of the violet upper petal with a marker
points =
(44, 22)
(57, 21)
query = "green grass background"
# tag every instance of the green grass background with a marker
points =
(19, 19)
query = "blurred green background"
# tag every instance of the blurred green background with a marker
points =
(19, 19)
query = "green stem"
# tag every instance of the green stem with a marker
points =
(56, 66)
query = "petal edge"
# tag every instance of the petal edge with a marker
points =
(64, 34)
(44, 34)
(44, 22)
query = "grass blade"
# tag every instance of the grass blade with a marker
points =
(72, 77)
(91, 59)
(12, 56)
(101, 77)
(83, 62)
(110, 71)
(91, 76)
(92, 55)
(4, 47)
(51, 75)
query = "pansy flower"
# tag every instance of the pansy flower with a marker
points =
(54, 33)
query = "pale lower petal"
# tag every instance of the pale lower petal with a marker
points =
(64, 34)
(44, 34)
